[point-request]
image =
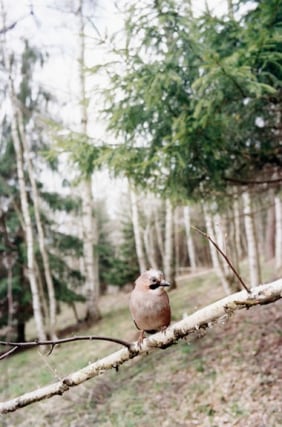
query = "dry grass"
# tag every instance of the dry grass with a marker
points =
(230, 377)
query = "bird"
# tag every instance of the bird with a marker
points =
(149, 303)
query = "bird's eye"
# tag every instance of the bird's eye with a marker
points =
(155, 284)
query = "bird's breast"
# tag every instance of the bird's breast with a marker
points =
(150, 311)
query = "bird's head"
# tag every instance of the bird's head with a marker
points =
(152, 281)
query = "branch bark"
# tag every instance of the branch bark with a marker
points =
(201, 319)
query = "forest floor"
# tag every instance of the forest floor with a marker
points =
(232, 376)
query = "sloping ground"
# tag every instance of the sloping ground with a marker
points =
(230, 377)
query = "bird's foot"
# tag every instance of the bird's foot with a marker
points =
(141, 338)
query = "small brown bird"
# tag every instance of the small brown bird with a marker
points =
(149, 303)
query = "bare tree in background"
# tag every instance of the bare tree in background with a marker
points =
(253, 255)
(137, 231)
(189, 238)
(89, 221)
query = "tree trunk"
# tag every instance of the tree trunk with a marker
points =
(221, 237)
(230, 9)
(28, 227)
(237, 228)
(40, 231)
(23, 194)
(214, 254)
(159, 233)
(89, 222)
(278, 234)
(270, 229)
(149, 243)
(189, 238)
(91, 265)
(253, 256)
(169, 263)
(137, 232)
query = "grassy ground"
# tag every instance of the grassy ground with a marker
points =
(230, 377)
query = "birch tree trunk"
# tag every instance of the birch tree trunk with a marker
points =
(91, 265)
(269, 242)
(23, 194)
(278, 234)
(89, 222)
(27, 222)
(159, 232)
(40, 230)
(253, 256)
(214, 254)
(149, 243)
(237, 233)
(137, 232)
(189, 238)
(220, 237)
(169, 263)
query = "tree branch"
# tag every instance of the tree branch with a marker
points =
(201, 319)
(225, 257)
(17, 345)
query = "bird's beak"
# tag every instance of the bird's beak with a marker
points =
(164, 283)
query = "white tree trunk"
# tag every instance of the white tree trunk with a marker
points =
(237, 232)
(40, 230)
(169, 263)
(220, 238)
(89, 221)
(137, 232)
(189, 238)
(90, 258)
(253, 256)
(149, 243)
(270, 229)
(23, 195)
(214, 254)
(159, 232)
(278, 235)
(27, 223)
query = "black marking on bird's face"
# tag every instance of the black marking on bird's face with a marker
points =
(155, 282)
(156, 279)
(154, 285)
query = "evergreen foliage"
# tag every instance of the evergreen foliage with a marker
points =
(196, 101)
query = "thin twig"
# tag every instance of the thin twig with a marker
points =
(29, 344)
(4, 355)
(224, 256)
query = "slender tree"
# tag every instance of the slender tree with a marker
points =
(137, 232)
(190, 242)
(89, 222)
(253, 255)
(278, 234)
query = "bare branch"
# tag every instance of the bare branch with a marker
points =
(201, 319)
(53, 343)
(224, 256)
(7, 353)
